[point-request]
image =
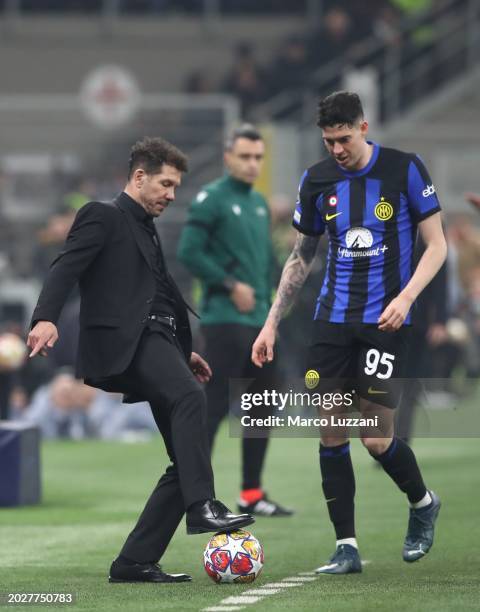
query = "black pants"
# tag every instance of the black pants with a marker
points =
(160, 373)
(227, 349)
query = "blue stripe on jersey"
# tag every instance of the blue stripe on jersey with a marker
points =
(376, 284)
(343, 272)
(405, 243)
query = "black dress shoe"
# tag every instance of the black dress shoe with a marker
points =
(212, 515)
(143, 572)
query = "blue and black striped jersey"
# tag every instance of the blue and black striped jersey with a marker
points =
(371, 216)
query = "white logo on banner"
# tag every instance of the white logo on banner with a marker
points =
(110, 96)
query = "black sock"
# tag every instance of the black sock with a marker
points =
(253, 456)
(338, 483)
(401, 465)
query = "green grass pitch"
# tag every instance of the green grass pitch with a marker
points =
(94, 491)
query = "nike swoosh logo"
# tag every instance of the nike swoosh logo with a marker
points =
(331, 216)
(330, 500)
(373, 391)
(415, 552)
(327, 567)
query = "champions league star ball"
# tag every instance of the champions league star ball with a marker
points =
(233, 557)
(13, 352)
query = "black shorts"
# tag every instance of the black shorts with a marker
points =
(359, 357)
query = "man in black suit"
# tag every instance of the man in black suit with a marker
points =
(135, 338)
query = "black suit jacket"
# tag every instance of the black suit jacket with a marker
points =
(105, 253)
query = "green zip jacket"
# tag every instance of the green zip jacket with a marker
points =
(227, 235)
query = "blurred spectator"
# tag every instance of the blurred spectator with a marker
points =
(289, 73)
(464, 239)
(13, 353)
(364, 15)
(332, 39)
(82, 192)
(18, 403)
(290, 68)
(387, 26)
(67, 408)
(199, 82)
(472, 321)
(245, 79)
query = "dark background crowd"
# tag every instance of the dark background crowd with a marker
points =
(45, 392)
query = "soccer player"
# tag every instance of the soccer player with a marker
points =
(370, 199)
(226, 244)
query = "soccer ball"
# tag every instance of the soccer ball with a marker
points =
(13, 352)
(233, 557)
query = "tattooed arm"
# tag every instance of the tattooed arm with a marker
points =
(295, 271)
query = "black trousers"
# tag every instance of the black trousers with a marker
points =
(228, 349)
(160, 373)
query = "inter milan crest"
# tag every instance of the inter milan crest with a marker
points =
(383, 210)
(312, 378)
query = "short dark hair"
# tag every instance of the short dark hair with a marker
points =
(246, 130)
(151, 153)
(339, 108)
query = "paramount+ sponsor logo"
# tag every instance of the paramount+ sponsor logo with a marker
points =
(359, 241)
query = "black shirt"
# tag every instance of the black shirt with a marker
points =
(163, 302)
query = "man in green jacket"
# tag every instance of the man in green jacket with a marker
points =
(226, 244)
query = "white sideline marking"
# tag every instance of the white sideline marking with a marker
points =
(279, 585)
(223, 608)
(239, 599)
(262, 591)
(252, 596)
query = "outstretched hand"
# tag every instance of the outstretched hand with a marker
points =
(262, 349)
(42, 337)
(200, 368)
